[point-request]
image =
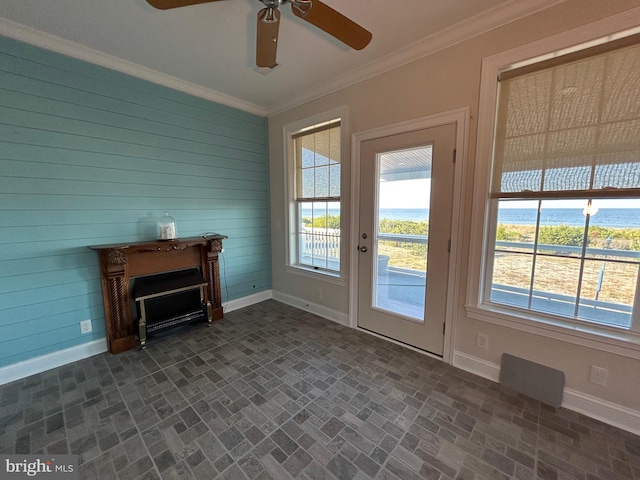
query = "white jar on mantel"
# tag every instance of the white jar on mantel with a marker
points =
(167, 228)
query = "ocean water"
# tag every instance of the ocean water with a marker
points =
(605, 217)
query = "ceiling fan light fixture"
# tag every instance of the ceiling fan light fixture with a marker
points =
(302, 6)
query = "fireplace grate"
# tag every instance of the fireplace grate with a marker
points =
(197, 316)
(168, 300)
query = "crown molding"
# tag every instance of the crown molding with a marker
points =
(445, 38)
(47, 41)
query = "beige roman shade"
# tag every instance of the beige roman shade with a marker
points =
(570, 127)
(318, 163)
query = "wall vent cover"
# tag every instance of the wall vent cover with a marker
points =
(537, 381)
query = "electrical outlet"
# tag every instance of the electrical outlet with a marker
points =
(482, 341)
(85, 326)
(598, 375)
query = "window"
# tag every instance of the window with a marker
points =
(316, 218)
(563, 230)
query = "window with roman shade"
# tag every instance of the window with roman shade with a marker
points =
(565, 187)
(317, 196)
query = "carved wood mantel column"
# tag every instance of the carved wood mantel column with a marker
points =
(119, 263)
(213, 277)
(121, 328)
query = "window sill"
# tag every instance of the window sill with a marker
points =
(620, 342)
(323, 275)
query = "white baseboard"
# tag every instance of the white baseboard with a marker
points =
(247, 301)
(477, 366)
(46, 362)
(607, 412)
(320, 310)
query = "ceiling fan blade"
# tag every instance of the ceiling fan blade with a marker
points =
(267, 38)
(334, 23)
(166, 4)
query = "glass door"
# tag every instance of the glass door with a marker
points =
(405, 223)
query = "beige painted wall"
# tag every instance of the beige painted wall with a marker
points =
(445, 81)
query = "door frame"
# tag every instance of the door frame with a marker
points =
(460, 117)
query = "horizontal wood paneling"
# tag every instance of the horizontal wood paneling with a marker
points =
(107, 161)
(106, 188)
(91, 156)
(31, 136)
(26, 266)
(60, 305)
(67, 97)
(20, 170)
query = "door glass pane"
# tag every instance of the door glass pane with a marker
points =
(402, 231)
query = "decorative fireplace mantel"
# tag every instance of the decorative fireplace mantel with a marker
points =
(119, 263)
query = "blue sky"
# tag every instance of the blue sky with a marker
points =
(415, 194)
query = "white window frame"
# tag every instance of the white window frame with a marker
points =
(291, 205)
(483, 226)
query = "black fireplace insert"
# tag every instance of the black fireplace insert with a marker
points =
(168, 300)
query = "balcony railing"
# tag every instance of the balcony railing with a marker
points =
(324, 245)
(320, 247)
(568, 250)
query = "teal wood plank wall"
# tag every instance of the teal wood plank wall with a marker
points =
(92, 156)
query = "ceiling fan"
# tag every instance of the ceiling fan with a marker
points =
(313, 11)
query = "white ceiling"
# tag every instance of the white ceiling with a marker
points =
(209, 49)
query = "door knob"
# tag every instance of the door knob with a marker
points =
(363, 249)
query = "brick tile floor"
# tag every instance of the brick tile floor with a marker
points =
(272, 392)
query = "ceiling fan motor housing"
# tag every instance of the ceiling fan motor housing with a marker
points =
(301, 5)
(273, 3)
